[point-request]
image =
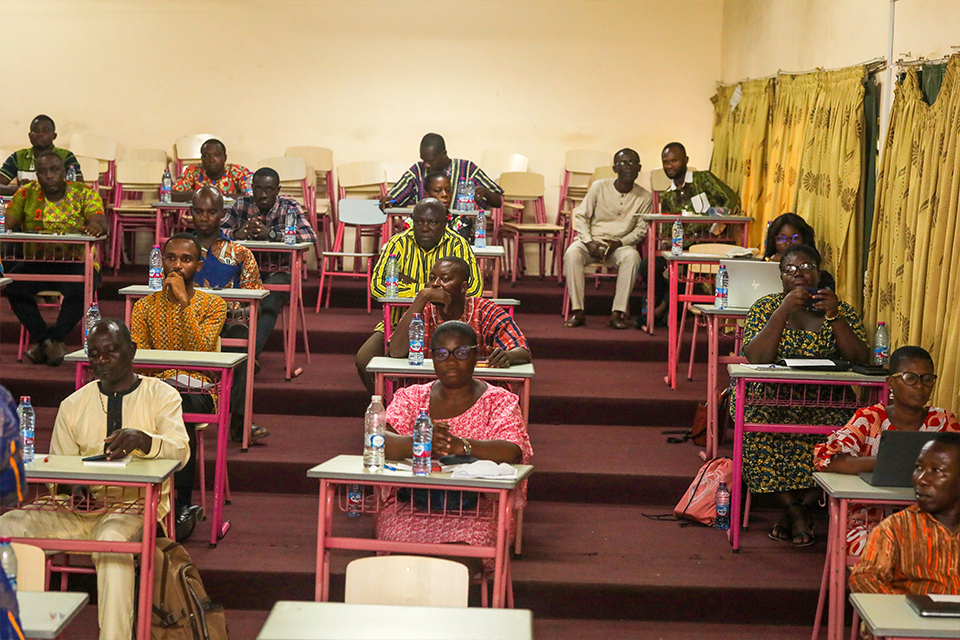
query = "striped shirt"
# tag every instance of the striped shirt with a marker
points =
(909, 552)
(22, 164)
(494, 326)
(409, 189)
(416, 263)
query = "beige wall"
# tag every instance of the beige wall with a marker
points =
(761, 37)
(536, 77)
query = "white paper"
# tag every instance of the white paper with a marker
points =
(800, 363)
(485, 469)
(190, 383)
(936, 597)
(700, 203)
(736, 96)
(122, 462)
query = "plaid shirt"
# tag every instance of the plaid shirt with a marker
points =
(245, 208)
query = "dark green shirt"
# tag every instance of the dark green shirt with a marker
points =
(677, 200)
(25, 161)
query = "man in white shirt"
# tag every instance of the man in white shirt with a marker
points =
(608, 227)
(119, 414)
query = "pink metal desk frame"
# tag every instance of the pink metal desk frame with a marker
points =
(145, 547)
(89, 249)
(782, 375)
(715, 319)
(295, 254)
(136, 292)
(156, 359)
(388, 303)
(834, 580)
(655, 222)
(332, 473)
(4, 282)
(169, 218)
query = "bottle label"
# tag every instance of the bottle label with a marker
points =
(27, 440)
(416, 346)
(375, 440)
(391, 281)
(421, 449)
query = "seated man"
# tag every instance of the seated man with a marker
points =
(262, 216)
(500, 339)
(119, 414)
(226, 264)
(608, 227)
(918, 550)
(433, 157)
(417, 249)
(181, 318)
(51, 205)
(232, 180)
(690, 190)
(21, 166)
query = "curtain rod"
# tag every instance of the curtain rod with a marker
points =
(871, 65)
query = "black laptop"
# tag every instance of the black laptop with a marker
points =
(896, 458)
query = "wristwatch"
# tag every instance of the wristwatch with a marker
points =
(272, 235)
(467, 448)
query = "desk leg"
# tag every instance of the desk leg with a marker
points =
(496, 278)
(219, 528)
(378, 385)
(127, 310)
(387, 329)
(838, 570)
(525, 401)
(651, 273)
(88, 276)
(149, 543)
(713, 331)
(321, 593)
(503, 527)
(736, 489)
(251, 364)
(671, 378)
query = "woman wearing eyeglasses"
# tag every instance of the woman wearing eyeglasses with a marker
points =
(789, 229)
(470, 418)
(805, 321)
(853, 448)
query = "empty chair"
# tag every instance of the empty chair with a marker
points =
(579, 168)
(90, 168)
(320, 159)
(495, 163)
(522, 187)
(137, 186)
(407, 580)
(102, 148)
(186, 150)
(697, 274)
(364, 179)
(297, 182)
(354, 213)
(31, 567)
(153, 155)
(394, 170)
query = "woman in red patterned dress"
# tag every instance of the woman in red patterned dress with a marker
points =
(853, 448)
(470, 417)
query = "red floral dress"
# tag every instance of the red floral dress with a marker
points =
(494, 416)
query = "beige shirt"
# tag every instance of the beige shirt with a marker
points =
(154, 408)
(607, 214)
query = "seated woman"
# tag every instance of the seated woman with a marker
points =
(470, 417)
(789, 229)
(853, 448)
(436, 184)
(796, 324)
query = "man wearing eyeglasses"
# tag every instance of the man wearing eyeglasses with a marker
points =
(608, 227)
(445, 298)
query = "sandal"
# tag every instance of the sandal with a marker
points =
(801, 536)
(779, 532)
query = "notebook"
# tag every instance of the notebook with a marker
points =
(750, 280)
(896, 458)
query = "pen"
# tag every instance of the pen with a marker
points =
(389, 468)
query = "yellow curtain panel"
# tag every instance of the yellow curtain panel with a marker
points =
(913, 277)
(829, 176)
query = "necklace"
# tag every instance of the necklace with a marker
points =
(101, 393)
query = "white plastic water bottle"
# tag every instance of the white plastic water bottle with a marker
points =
(480, 231)
(27, 423)
(374, 435)
(677, 247)
(415, 356)
(354, 501)
(290, 229)
(72, 173)
(166, 187)
(391, 277)
(881, 345)
(90, 320)
(8, 559)
(722, 498)
(3, 216)
(155, 278)
(722, 288)
(422, 444)
(466, 196)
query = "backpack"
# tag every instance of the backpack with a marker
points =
(181, 608)
(699, 502)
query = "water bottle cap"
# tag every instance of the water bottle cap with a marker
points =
(881, 324)
(376, 399)
(24, 399)
(6, 540)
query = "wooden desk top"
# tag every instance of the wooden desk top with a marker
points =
(143, 290)
(69, 468)
(39, 608)
(692, 218)
(383, 364)
(891, 616)
(262, 245)
(351, 468)
(710, 310)
(173, 359)
(5, 281)
(842, 485)
(50, 237)
(777, 372)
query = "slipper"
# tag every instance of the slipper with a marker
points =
(619, 323)
(799, 537)
(575, 321)
(780, 533)
(805, 539)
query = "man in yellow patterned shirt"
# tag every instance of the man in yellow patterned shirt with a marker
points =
(179, 317)
(51, 205)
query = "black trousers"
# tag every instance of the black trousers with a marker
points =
(22, 297)
(184, 480)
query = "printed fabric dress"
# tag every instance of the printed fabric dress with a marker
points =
(861, 438)
(774, 462)
(494, 416)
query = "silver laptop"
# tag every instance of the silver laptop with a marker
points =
(750, 280)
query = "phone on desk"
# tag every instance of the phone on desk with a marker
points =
(97, 458)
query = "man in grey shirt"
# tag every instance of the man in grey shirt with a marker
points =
(608, 227)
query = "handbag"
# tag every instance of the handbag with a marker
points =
(699, 502)
(698, 430)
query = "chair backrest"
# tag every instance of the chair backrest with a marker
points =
(31, 567)
(521, 184)
(140, 172)
(659, 180)
(364, 173)
(319, 158)
(90, 168)
(408, 581)
(290, 168)
(494, 163)
(187, 148)
(586, 161)
(93, 146)
(156, 155)
(360, 212)
(394, 170)
(713, 248)
(602, 173)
